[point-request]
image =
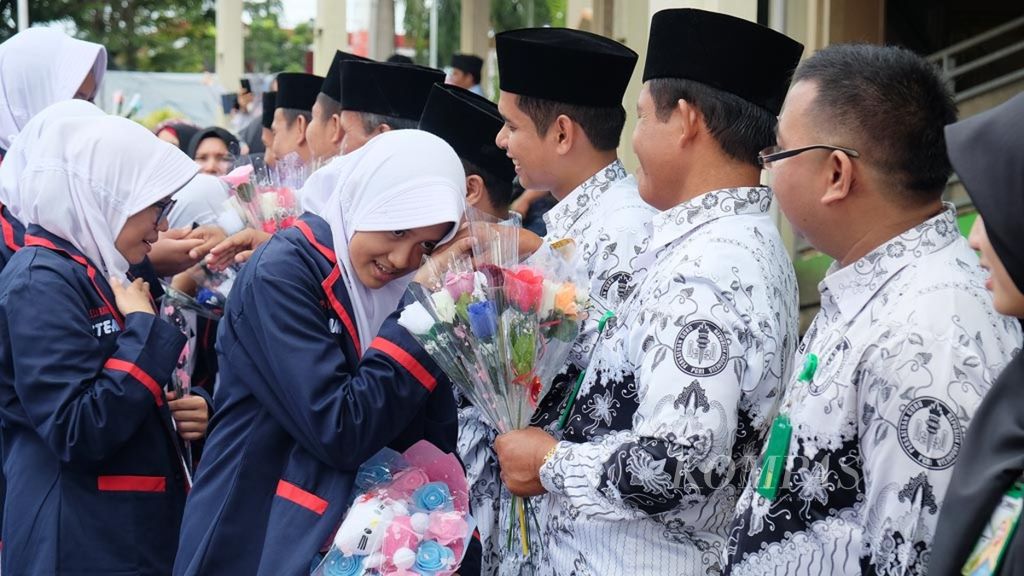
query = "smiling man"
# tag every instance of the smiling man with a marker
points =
(561, 98)
(643, 481)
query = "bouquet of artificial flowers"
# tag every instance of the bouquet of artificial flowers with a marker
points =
(410, 518)
(501, 330)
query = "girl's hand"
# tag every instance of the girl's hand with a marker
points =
(191, 415)
(133, 297)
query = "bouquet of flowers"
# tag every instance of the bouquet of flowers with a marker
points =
(501, 330)
(411, 517)
(264, 196)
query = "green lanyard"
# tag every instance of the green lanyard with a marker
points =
(579, 381)
(777, 448)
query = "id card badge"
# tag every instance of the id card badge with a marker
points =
(998, 532)
(773, 466)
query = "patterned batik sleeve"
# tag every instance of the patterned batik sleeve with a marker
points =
(917, 394)
(692, 356)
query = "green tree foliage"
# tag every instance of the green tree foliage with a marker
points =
(169, 35)
(268, 47)
(505, 15)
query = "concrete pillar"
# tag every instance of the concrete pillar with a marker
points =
(579, 14)
(382, 29)
(474, 26)
(230, 56)
(329, 34)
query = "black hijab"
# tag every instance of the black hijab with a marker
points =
(987, 152)
(228, 138)
(183, 131)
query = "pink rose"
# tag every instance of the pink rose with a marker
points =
(399, 535)
(459, 284)
(447, 527)
(406, 482)
(238, 176)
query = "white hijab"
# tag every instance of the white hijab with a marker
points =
(40, 67)
(400, 180)
(198, 202)
(85, 175)
(15, 161)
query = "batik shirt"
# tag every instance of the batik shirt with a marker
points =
(678, 395)
(608, 222)
(907, 343)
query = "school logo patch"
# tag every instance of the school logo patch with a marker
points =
(700, 349)
(930, 433)
(620, 282)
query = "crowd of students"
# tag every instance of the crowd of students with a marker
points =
(693, 430)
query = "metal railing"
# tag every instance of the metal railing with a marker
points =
(950, 60)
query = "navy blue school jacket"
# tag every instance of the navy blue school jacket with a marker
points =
(94, 477)
(299, 408)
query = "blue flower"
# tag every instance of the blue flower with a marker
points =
(431, 497)
(483, 319)
(370, 476)
(432, 558)
(338, 564)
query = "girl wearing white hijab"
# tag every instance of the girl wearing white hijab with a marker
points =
(95, 478)
(316, 375)
(42, 66)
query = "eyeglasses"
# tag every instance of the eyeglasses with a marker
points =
(165, 207)
(774, 153)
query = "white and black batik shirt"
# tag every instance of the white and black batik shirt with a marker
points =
(645, 479)
(611, 226)
(609, 223)
(907, 343)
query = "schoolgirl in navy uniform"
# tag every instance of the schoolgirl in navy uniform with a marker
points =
(95, 477)
(316, 375)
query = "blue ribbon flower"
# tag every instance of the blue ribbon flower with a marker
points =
(432, 497)
(483, 319)
(432, 558)
(340, 565)
(370, 476)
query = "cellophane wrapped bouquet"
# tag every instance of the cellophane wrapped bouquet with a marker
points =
(501, 330)
(410, 517)
(263, 195)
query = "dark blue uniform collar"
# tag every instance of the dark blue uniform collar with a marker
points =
(318, 233)
(36, 235)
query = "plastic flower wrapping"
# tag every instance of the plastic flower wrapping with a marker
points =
(501, 330)
(411, 517)
(182, 311)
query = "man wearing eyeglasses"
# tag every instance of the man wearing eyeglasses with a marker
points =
(894, 365)
(678, 395)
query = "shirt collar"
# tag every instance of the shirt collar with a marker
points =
(563, 216)
(848, 289)
(682, 219)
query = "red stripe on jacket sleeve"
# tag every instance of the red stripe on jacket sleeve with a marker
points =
(307, 500)
(137, 373)
(406, 360)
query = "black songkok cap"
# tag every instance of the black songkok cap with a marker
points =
(730, 54)
(269, 104)
(569, 66)
(297, 91)
(332, 83)
(398, 90)
(468, 63)
(469, 123)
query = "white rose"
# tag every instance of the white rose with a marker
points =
(547, 300)
(416, 319)
(444, 306)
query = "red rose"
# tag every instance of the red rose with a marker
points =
(524, 287)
